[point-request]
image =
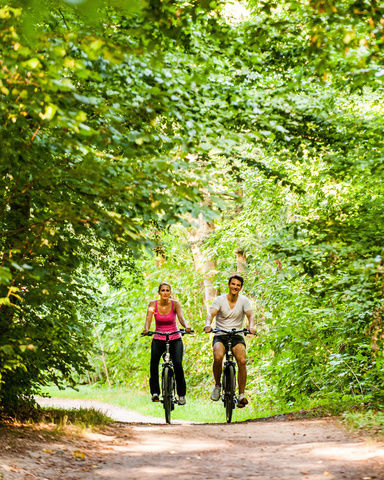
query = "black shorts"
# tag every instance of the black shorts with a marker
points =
(236, 339)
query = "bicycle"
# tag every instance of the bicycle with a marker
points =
(228, 382)
(168, 391)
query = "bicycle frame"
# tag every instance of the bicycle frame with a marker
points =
(228, 395)
(166, 355)
(168, 395)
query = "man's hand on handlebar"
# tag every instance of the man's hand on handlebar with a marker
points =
(207, 329)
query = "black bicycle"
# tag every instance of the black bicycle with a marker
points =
(228, 382)
(168, 390)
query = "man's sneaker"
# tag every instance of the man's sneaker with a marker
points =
(155, 397)
(215, 395)
(241, 401)
(181, 400)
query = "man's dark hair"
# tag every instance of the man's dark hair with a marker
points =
(237, 277)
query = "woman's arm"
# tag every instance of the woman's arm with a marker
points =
(180, 316)
(148, 320)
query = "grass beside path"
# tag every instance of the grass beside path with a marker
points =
(370, 422)
(59, 419)
(198, 410)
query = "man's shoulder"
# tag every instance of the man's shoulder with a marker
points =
(244, 299)
(219, 298)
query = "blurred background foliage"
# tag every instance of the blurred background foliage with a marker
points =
(183, 141)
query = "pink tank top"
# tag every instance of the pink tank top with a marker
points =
(165, 323)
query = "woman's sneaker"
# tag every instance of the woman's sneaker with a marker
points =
(241, 401)
(215, 395)
(155, 397)
(181, 400)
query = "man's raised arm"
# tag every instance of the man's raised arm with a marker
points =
(211, 315)
(251, 321)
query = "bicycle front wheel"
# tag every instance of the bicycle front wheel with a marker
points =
(229, 393)
(167, 383)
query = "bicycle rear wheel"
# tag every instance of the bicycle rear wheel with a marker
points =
(167, 384)
(229, 393)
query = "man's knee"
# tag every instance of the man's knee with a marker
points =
(241, 362)
(240, 355)
(218, 359)
(218, 352)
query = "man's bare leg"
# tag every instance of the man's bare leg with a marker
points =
(241, 358)
(218, 356)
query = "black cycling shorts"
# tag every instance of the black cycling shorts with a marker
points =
(237, 338)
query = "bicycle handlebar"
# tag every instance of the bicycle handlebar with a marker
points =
(164, 334)
(231, 332)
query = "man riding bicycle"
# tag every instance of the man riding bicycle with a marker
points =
(229, 310)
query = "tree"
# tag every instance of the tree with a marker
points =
(84, 162)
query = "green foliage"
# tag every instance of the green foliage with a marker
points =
(315, 265)
(85, 161)
(116, 123)
(121, 310)
(369, 421)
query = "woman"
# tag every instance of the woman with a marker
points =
(165, 312)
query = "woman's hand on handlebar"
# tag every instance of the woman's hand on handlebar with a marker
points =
(144, 332)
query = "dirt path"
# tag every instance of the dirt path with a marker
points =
(316, 449)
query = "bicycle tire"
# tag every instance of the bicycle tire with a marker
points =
(167, 392)
(229, 393)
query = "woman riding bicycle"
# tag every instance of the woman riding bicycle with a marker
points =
(165, 312)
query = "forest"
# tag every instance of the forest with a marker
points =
(183, 141)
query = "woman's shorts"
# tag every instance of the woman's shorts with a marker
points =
(236, 339)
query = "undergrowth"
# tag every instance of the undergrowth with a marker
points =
(366, 421)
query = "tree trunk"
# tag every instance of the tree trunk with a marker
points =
(241, 262)
(203, 264)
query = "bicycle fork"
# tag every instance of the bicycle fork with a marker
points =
(225, 388)
(168, 365)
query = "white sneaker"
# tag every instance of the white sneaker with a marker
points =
(242, 401)
(215, 395)
(181, 401)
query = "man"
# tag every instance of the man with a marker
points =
(229, 310)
